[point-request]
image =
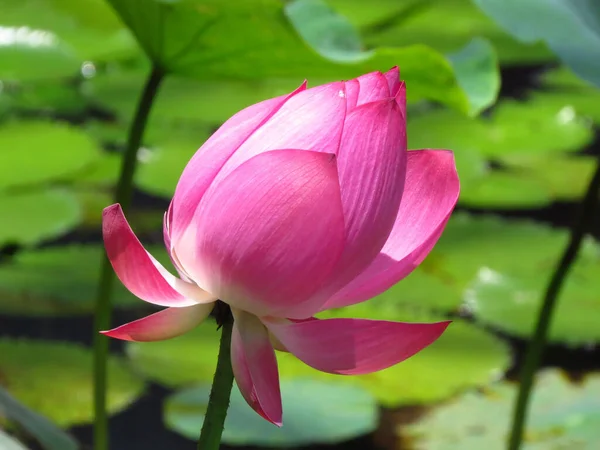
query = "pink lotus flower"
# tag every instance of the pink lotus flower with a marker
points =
(297, 204)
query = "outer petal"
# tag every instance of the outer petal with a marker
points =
(255, 366)
(139, 271)
(431, 192)
(311, 120)
(373, 87)
(168, 217)
(165, 324)
(352, 90)
(269, 234)
(393, 79)
(372, 165)
(210, 158)
(355, 346)
(401, 98)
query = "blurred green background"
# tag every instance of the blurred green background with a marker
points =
(497, 85)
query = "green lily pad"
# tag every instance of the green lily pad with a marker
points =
(526, 138)
(562, 416)
(313, 411)
(570, 28)
(530, 127)
(92, 202)
(60, 281)
(406, 22)
(169, 147)
(55, 379)
(34, 152)
(562, 77)
(37, 215)
(515, 128)
(511, 301)
(505, 291)
(505, 189)
(90, 28)
(583, 102)
(564, 90)
(163, 164)
(442, 128)
(104, 172)
(560, 178)
(46, 97)
(24, 50)
(422, 289)
(483, 185)
(472, 243)
(184, 360)
(196, 39)
(49, 435)
(9, 443)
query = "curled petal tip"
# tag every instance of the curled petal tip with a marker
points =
(114, 208)
(393, 78)
(143, 275)
(165, 324)
(114, 333)
(441, 327)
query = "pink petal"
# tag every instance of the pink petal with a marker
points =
(373, 87)
(311, 120)
(255, 366)
(168, 217)
(393, 79)
(210, 158)
(431, 192)
(270, 233)
(372, 165)
(401, 98)
(355, 346)
(143, 275)
(352, 90)
(165, 324)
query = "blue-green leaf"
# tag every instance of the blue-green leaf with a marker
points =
(49, 435)
(314, 412)
(476, 68)
(571, 28)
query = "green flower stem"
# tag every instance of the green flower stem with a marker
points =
(214, 419)
(107, 276)
(534, 352)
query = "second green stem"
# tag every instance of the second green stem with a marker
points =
(107, 276)
(534, 352)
